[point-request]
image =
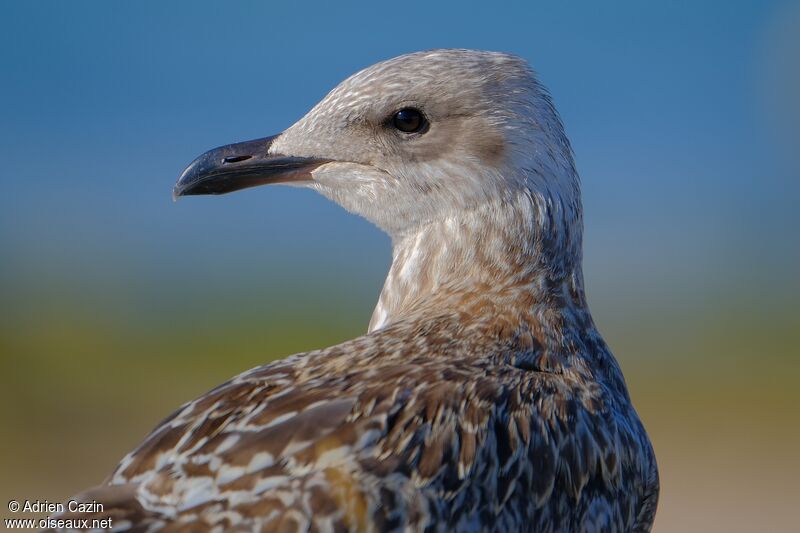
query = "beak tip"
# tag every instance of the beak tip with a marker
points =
(186, 180)
(180, 188)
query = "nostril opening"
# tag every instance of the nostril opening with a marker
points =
(236, 158)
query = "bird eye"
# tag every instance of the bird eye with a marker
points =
(409, 120)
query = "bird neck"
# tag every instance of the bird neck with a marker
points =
(508, 257)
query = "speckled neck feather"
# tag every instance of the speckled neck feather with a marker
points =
(499, 250)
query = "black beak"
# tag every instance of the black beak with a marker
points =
(241, 165)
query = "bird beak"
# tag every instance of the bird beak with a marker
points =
(241, 165)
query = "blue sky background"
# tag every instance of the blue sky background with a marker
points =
(680, 115)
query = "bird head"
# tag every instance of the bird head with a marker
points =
(413, 139)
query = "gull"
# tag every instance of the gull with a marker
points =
(482, 398)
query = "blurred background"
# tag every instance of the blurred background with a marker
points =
(117, 305)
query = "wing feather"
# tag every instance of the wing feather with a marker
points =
(344, 439)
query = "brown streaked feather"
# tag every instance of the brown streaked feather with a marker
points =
(455, 440)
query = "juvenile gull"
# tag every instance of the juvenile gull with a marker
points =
(483, 398)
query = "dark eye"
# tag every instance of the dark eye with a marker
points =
(409, 120)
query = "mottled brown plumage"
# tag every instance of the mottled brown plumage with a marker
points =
(483, 398)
